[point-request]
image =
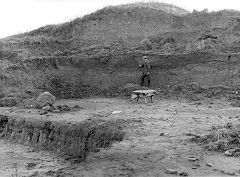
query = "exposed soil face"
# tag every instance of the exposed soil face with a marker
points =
(75, 140)
(81, 76)
(156, 141)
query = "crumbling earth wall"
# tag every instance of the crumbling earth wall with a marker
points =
(74, 140)
(92, 72)
(91, 76)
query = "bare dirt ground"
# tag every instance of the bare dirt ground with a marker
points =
(156, 141)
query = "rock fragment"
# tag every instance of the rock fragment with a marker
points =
(183, 174)
(171, 171)
(209, 164)
(192, 159)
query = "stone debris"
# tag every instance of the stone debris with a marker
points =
(232, 152)
(47, 108)
(171, 171)
(209, 164)
(133, 96)
(31, 165)
(230, 173)
(44, 113)
(192, 159)
(191, 134)
(183, 174)
(59, 108)
(56, 111)
(116, 112)
(63, 108)
(227, 172)
(161, 134)
(77, 107)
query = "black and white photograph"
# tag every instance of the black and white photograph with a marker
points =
(109, 88)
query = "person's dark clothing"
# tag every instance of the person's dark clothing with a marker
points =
(146, 67)
(148, 79)
(146, 72)
(229, 57)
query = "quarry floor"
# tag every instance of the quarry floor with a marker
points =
(156, 141)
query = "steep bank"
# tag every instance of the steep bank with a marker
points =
(72, 140)
(78, 76)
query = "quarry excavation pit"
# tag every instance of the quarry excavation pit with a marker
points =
(73, 140)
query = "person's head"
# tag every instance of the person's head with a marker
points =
(145, 58)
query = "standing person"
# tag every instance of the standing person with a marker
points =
(146, 70)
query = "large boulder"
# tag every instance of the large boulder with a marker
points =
(45, 99)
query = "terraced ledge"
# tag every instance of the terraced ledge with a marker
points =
(74, 140)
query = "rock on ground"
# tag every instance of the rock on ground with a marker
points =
(44, 99)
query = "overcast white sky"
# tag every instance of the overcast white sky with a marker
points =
(18, 16)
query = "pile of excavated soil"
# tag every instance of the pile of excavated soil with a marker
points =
(222, 138)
